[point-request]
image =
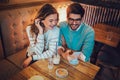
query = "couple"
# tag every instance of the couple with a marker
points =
(72, 36)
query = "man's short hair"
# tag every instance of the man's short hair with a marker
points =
(75, 8)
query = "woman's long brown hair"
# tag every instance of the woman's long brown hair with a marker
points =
(45, 11)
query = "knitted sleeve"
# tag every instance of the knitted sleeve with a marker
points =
(36, 45)
(52, 46)
(88, 44)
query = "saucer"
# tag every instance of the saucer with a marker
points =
(61, 73)
(36, 77)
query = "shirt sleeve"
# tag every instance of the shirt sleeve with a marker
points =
(61, 42)
(88, 45)
(52, 47)
(36, 46)
(80, 55)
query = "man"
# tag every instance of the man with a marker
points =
(75, 37)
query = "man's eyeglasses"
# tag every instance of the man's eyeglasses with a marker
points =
(72, 20)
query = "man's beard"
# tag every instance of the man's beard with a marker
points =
(74, 26)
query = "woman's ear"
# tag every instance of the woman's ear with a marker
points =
(42, 21)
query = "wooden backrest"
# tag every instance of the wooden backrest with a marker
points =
(13, 25)
(1, 49)
(106, 27)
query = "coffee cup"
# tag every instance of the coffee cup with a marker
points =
(74, 61)
(73, 58)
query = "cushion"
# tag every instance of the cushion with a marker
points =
(18, 58)
(109, 55)
(7, 69)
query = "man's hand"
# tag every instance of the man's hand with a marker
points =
(63, 53)
(66, 54)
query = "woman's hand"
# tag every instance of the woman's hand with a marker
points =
(27, 61)
(37, 23)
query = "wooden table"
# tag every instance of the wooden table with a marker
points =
(82, 71)
(101, 32)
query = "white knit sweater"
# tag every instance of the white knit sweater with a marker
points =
(45, 45)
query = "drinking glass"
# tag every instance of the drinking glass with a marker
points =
(50, 63)
(109, 35)
(56, 59)
(56, 56)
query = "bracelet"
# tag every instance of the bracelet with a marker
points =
(32, 57)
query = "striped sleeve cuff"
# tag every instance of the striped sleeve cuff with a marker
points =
(35, 57)
(82, 56)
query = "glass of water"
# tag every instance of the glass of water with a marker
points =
(50, 63)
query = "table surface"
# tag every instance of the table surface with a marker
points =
(82, 71)
(101, 32)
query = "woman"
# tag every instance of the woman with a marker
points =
(43, 35)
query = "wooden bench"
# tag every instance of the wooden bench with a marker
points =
(13, 39)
